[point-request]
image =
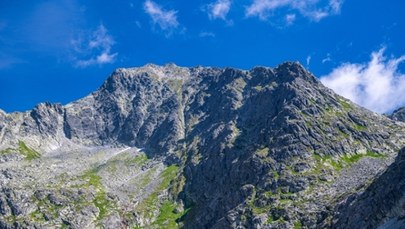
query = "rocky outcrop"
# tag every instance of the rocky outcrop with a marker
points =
(263, 148)
(398, 114)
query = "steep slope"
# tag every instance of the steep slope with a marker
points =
(229, 148)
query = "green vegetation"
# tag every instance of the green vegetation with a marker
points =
(45, 207)
(37, 216)
(138, 160)
(340, 163)
(100, 200)
(24, 150)
(258, 88)
(359, 127)
(345, 104)
(297, 225)
(285, 201)
(29, 153)
(6, 151)
(350, 159)
(270, 219)
(328, 109)
(167, 216)
(262, 152)
(276, 175)
(167, 176)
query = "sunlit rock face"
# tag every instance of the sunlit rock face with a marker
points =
(203, 147)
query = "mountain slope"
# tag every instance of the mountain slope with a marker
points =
(229, 148)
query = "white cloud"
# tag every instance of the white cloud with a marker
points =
(96, 48)
(312, 9)
(166, 19)
(327, 58)
(103, 58)
(219, 9)
(290, 18)
(308, 60)
(207, 34)
(377, 85)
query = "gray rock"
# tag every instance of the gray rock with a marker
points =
(263, 148)
(398, 114)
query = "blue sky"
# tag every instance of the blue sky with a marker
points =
(62, 50)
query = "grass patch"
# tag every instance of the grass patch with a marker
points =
(37, 216)
(29, 153)
(340, 163)
(297, 225)
(167, 217)
(276, 175)
(7, 151)
(345, 104)
(149, 205)
(100, 200)
(343, 134)
(359, 127)
(139, 160)
(270, 219)
(350, 159)
(167, 176)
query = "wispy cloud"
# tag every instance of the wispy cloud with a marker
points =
(219, 9)
(206, 34)
(290, 18)
(95, 49)
(377, 85)
(327, 58)
(308, 60)
(165, 19)
(312, 9)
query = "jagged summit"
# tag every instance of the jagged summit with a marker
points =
(226, 148)
(167, 71)
(171, 70)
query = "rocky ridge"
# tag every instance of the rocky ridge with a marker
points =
(221, 148)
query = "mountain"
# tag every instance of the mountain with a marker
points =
(202, 147)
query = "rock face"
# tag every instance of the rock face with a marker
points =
(224, 148)
(381, 205)
(398, 114)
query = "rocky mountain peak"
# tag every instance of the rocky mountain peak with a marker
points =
(288, 71)
(226, 148)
